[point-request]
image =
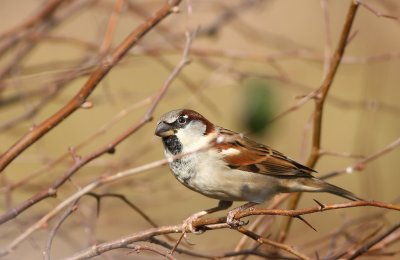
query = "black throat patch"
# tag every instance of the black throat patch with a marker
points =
(172, 144)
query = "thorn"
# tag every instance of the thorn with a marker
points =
(177, 243)
(322, 206)
(305, 222)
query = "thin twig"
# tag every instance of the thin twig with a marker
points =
(266, 241)
(100, 131)
(151, 248)
(360, 165)
(324, 207)
(375, 12)
(15, 34)
(108, 36)
(364, 248)
(58, 224)
(123, 242)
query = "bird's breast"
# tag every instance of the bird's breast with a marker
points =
(205, 173)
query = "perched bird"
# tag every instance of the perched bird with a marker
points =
(228, 166)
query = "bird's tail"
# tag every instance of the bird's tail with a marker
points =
(317, 185)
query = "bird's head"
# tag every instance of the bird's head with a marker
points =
(183, 128)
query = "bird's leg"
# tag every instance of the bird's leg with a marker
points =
(188, 223)
(230, 219)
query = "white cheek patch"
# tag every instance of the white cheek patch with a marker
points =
(230, 152)
(188, 139)
(192, 137)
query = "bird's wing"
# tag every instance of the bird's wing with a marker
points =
(241, 153)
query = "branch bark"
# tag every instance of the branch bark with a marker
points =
(320, 102)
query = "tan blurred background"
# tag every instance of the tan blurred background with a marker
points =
(361, 115)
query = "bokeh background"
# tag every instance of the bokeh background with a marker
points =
(251, 60)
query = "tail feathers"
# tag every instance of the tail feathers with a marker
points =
(316, 185)
(340, 192)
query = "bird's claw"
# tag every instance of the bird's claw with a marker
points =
(188, 225)
(234, 223)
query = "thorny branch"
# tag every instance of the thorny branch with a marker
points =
(212, 223)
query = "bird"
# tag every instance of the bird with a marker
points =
(228, 166)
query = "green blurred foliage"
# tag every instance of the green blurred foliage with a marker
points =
(258, 106)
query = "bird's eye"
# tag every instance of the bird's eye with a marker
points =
(181, 120)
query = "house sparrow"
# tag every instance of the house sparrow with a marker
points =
(228, 166)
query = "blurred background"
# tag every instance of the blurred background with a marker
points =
(251, 61)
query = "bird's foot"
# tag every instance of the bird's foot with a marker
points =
(232, 222)
(230, 219)
(188, 223)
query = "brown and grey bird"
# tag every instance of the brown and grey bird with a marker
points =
(225, 165)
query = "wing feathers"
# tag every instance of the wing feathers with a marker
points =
(247, 155)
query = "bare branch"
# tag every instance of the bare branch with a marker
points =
(266, 241)
(215, 223)
(106, 65)
(375, 12)
(364, 248)
(322, 94)
(360, 165)
(58, 224)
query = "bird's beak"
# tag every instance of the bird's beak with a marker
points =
(164, 130)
